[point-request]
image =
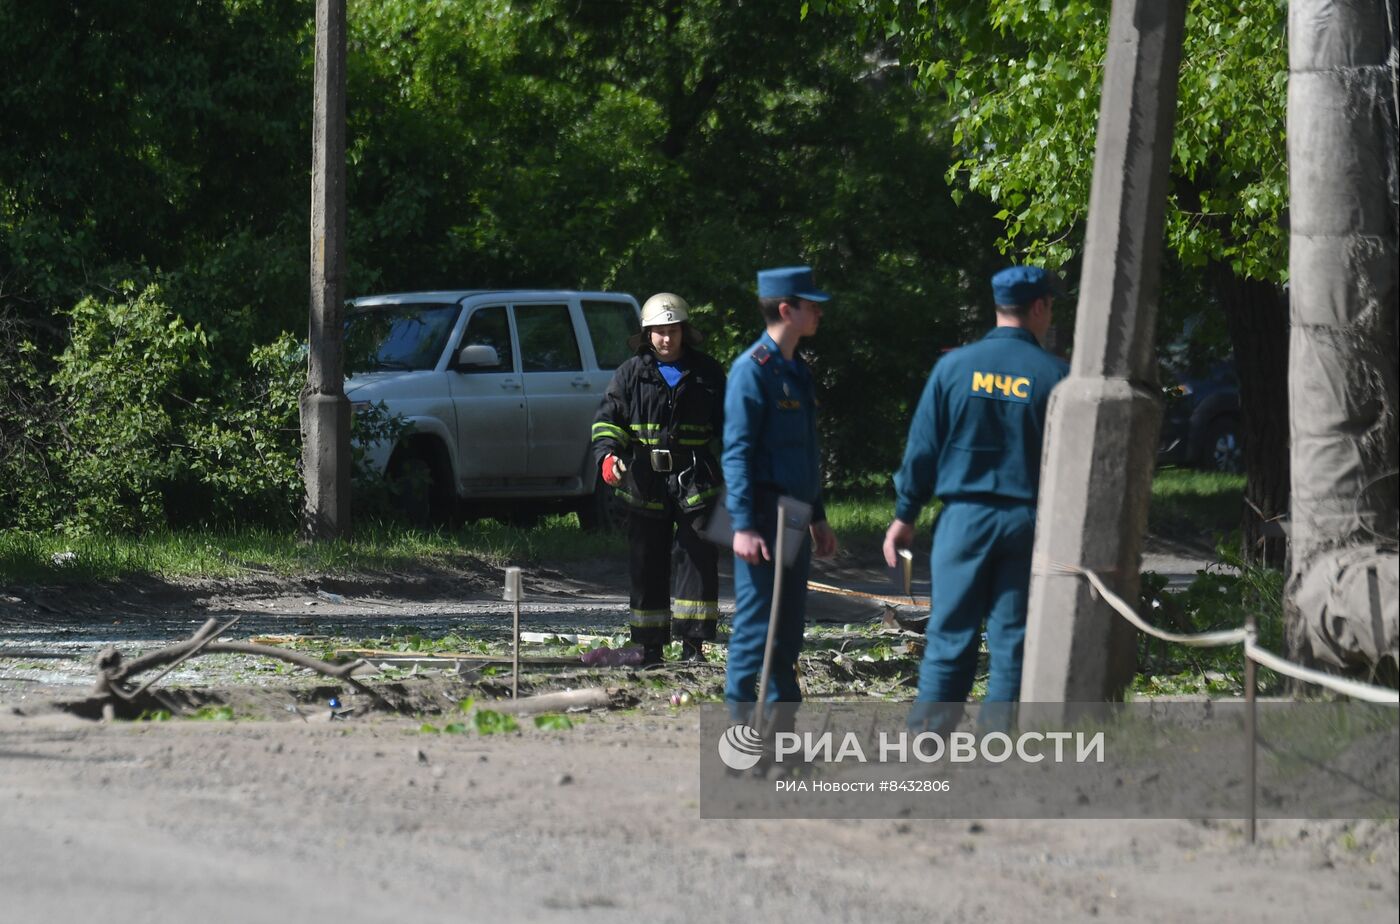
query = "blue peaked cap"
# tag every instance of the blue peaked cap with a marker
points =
(1021, 285)
(789, 280)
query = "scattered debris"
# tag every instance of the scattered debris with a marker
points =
(561, 638)
(569, 701)
(893, 619)
(114, 693)
(612, 657)
(454, 660)
(34, 654)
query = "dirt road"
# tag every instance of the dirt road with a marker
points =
(373, 819)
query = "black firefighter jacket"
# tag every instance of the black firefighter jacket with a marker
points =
(642, 420)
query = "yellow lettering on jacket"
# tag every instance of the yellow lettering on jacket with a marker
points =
(1008, 385)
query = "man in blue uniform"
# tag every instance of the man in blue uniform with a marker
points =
(770, 449)
(975, 442)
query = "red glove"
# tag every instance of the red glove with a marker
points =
(613, 467)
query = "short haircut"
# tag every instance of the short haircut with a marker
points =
(1019, 311)
(769, 307)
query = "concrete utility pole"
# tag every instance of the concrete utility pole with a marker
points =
(325, 411)
(1101, 433)
(1341, 604)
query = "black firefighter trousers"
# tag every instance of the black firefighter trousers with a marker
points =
(669, 546)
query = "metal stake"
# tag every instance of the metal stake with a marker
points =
(513, 594)
(1251, 705)
(772, 620)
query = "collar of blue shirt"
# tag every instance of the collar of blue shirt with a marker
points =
(1014, 333)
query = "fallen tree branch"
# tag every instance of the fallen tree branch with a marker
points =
(114, 674)
(886, 599)
(202, 638)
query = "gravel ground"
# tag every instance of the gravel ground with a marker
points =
(294, 817)
(374, 821)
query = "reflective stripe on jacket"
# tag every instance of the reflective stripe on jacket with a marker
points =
(641, 413)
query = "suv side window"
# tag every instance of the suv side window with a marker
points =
(610, 324)
(489, 327)
(547, 342)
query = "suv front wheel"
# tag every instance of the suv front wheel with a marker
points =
(421, 487)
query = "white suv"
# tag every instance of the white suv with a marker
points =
(500, 389)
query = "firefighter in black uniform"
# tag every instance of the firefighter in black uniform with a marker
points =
(656, 440)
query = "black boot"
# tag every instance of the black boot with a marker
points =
(652, 655)
(693, 649)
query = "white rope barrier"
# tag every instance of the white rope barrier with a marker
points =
(1353, 688)
(1201, 640)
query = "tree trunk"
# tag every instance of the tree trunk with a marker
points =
(1257, 317)
(1341, 599)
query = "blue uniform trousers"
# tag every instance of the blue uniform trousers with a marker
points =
(753, 601)
(981, 569)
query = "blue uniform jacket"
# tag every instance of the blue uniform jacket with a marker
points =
(770, 433)
(980, 423)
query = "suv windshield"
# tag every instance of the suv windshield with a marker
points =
(397, 336)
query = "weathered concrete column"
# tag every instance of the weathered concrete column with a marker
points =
(325, 411)
(1341, 604)
(1101, 434)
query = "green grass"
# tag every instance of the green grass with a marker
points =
(60, 559)
(1219, 598)
(1184, 503)
(1189, 504)
(866, 516)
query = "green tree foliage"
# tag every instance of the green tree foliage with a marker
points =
(130, 432)
(133, 434)
(126, 364)
(154, 136)
(626, 145)
(674, 146)
(1022, 81)
(244, 451)
(28, 413)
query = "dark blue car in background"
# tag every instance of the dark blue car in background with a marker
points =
(1201, 421)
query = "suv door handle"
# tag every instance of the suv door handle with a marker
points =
(580, 382)
(510, 385)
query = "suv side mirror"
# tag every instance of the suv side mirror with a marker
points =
(478, 356)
